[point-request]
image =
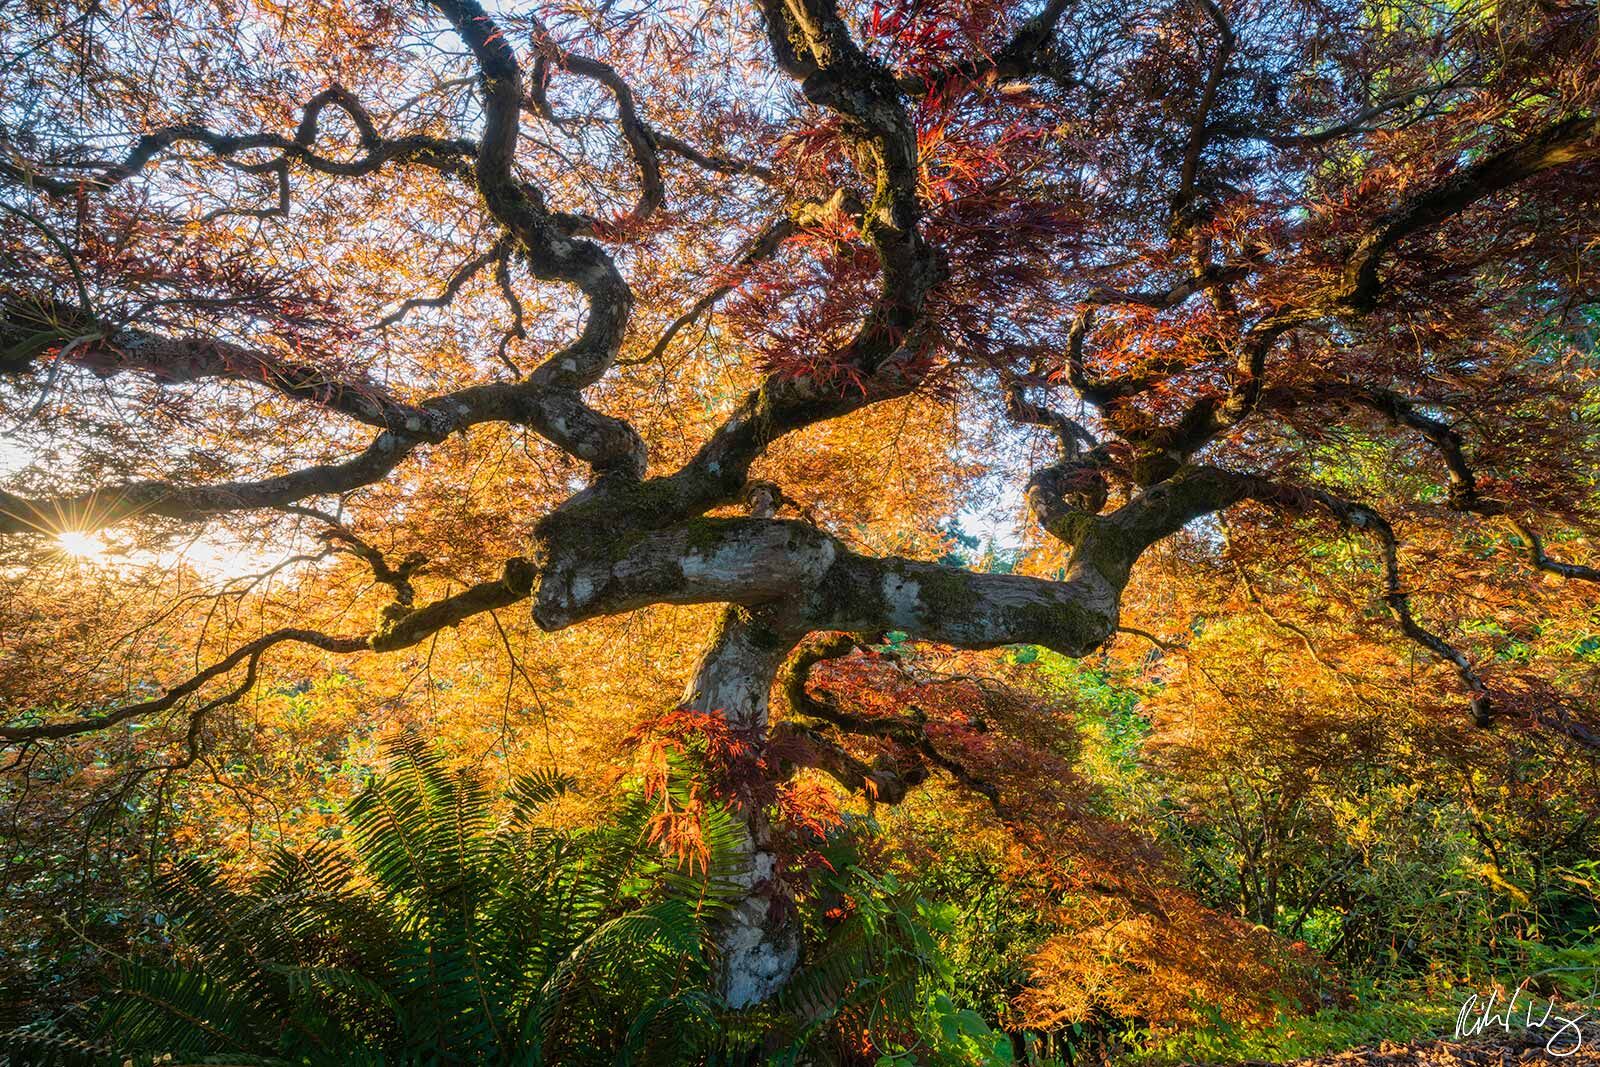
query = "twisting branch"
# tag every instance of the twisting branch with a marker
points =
(762, 246)
(32, 326)
(640, 138)
(402, 629)
(1070, 435)
(1360, 122)
(1570, 141)
(715, 163)
(446, 156)
(171, 698)
(799, 701)
(1097, 391)
(1207, 277)
(462, 274)
(397, 578)
(517, 331)
(1183, 201)
(885, 357)
(1544, 562)
(803, 746)
(279, 210)
(100, 508)
(888, 784)
(645, 142)
(1463, 492)
(1402, 410)
(1213, 416)
(403, 626)
(68, 256)
(548, 400)
(1111, 543)
(1075, 483)
(1364, 519)
(812, 42)
(1160, 643)
(550, 395)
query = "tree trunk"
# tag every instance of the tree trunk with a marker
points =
(759, 941)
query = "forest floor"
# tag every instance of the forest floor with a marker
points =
(1493, 1049)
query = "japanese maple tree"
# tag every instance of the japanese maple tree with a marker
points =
(585, 308)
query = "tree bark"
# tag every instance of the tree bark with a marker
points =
(758, 942)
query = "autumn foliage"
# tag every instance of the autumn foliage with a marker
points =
(1089, 506)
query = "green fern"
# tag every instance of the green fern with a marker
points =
(442, 935)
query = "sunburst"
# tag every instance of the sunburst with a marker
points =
(81, 545)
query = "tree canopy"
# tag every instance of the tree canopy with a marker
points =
(485, 341)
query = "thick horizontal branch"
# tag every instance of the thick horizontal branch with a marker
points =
(752, 561)
(539, 402)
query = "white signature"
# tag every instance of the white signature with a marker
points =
(1478, 1014)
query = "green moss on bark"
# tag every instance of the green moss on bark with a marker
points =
(1067, 628)
(945, 592)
